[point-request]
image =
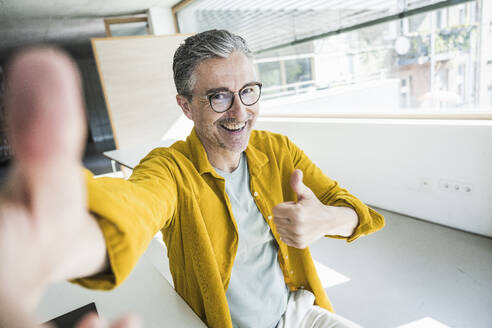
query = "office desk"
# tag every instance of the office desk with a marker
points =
(130, 157)
(146, 292)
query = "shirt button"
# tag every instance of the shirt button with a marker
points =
(270, 217)
(255, 194)
(286, 256)
(302, 287)
(291, 272)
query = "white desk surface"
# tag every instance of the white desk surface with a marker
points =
(145, 292)
(131, 157)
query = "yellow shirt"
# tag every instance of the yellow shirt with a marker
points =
(177, 191)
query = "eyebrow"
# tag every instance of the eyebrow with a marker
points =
(214, 90)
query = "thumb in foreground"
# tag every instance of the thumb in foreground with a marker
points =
(44, 106)
(302, 191)
(45, 124)
(92, 321)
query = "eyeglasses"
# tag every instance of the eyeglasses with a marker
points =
(223, 100)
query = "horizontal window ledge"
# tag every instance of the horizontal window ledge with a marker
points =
(419, 116)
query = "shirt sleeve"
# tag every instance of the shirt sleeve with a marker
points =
(330, 193)
(129, 213)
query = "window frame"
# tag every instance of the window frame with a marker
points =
(441, 6)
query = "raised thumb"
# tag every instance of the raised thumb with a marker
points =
(45, 116)
(302, 191)
(46, 124)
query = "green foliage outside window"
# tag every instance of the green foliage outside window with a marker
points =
(298, 70)
(454, 39)
(270, 74)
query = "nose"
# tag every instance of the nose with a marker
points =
(238, 111)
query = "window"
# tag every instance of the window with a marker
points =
(424, 63)
(270, 74)
(488, 68)
(283, 76)
(405, 86)
(121, 26)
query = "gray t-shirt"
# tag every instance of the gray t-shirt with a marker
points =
(257, 294)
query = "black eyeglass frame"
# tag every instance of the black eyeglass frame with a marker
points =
(209, 97)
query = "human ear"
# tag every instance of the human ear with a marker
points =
(185, 106)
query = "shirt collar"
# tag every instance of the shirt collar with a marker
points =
(198, 154)
(256, 158)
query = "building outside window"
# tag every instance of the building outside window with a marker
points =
(427, 62)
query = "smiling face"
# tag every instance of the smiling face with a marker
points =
(224, 135)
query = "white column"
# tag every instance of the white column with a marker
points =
(485, 17)
(161, 21)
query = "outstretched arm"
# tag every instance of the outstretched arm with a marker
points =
(46, 232)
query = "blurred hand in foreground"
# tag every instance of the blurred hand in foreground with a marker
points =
(44, 222)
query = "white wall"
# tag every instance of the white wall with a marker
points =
(403, 165)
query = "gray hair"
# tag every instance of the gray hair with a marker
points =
(199, 47)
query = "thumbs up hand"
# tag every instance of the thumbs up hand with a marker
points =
(301, 223)
(302, 191)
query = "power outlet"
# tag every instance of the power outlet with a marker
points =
(427, 183)
(455, 186)
(445, 185)
(466, 188)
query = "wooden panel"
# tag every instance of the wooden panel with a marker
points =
(137, 79)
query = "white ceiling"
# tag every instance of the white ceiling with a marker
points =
(22, 9)
(69, 23)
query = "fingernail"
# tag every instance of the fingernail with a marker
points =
(134, 321)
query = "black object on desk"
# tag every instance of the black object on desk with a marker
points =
(70, 319)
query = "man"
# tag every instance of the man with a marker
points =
(214, 196)
(237, 207)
